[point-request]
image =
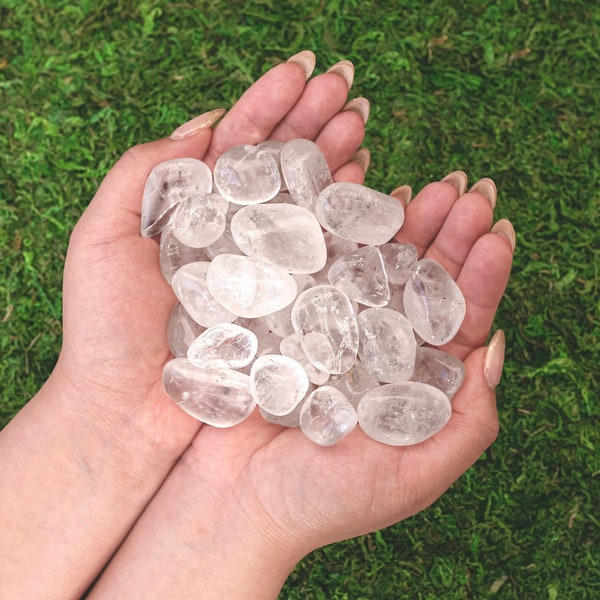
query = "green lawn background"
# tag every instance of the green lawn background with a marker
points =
(507, 89)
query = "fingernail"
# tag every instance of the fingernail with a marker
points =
(306, 59)
(486, 187)
(459, 180)
(504, 227)
(198, 124)
(494, 359)
(345, 69)
(363, 158)
(404, 193)
(361, 106)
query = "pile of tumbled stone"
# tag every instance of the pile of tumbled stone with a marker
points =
(293, 298)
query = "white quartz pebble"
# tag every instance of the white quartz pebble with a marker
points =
(174, 254)
(439, 369)
(223, 345)
(354, 383)
(400, 261)
(182, 330)
(200, 220)
(291, 346)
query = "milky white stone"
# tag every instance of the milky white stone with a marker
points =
(249, 287)
(433, 302)
(274, 147)
(291, 346)
(354, 383)
(277, 383)
(200, 220)
(327, 416)
(305, 171)
(400, 261)
(182, 330)
(223, 345)
(280, 322)
(439, 369)
(218, 397)
(174, 254)
(285, 234)
(191, 288)
(387, 344)
(324, 317)
(169, 183)
(247, 175)
(403, 413)
(358, 213)
(361, 275)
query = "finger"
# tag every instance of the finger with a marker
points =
(262, 106)
(354, 171)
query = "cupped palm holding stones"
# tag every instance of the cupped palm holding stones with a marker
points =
(292, 298)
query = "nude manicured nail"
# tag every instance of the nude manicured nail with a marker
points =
(404, 192)
(198, 124)
(458, 179)
(504, 227)
(345, 69)
(363, 158)
(494, 359)
(306, 59)
(361, 106)
(486, 187)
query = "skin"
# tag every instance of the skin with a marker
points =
(103, 473)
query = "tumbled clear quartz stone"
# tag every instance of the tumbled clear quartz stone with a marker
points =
(285, 234)
(191, 288)
(433, 303)
(358, 213)
(387, 344)
(274, 147)
(200, 220)
(280, 322)
(174, 254)
(247, 174)
(249, 287)
(361, 275)
(218, 397)
(439, 369)
(292, 419)
(354, 383)
(336, 247)
(291, 346)
(278, 383)
(169, 183)
(305, 171)
(403, 413)
(400, 260)
(223, 345)
(325, 318)
(327, 416)
(182, 330)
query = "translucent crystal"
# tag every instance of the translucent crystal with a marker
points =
(169, 183)
(225, 244)
(173, 254)
(336, 247)
(387, 344)
(191, 288)
(433, 302)
(277, 383)
(247, 175)
(358, 213)
(324, 317)
(218, 397)
(361, 275)
(200, 220)
(285, 234)
(223, 345)
(400, 261)
(404, 413)
(291, 346)
(305, 171)
(354, 383)
(280, 322)
(439, 369)
(327, 416)
(249, 287)
(182, 330)
(292, 419)
(274, 147)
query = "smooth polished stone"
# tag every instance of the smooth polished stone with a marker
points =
(336, 247)
(278, 383)
(400, 260)
(169, 183)
(274, 147)
(246, 174)
(433, 303)
(285, 234)
(358, 213)
(291, 346)
(173, 254)
(327, 416)
(439, 369)
(199, 221)
(249, 287)
(292, 419)
(224, 345)
(361, 275)
(217, 397)
(191, 288)
(403, 413)
(387, 344)
(325, 318)
(305, 171)
(182, 330)
(225, 244)
(354, 383)
(280, 322)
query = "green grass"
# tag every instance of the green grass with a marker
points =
(508, 89)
